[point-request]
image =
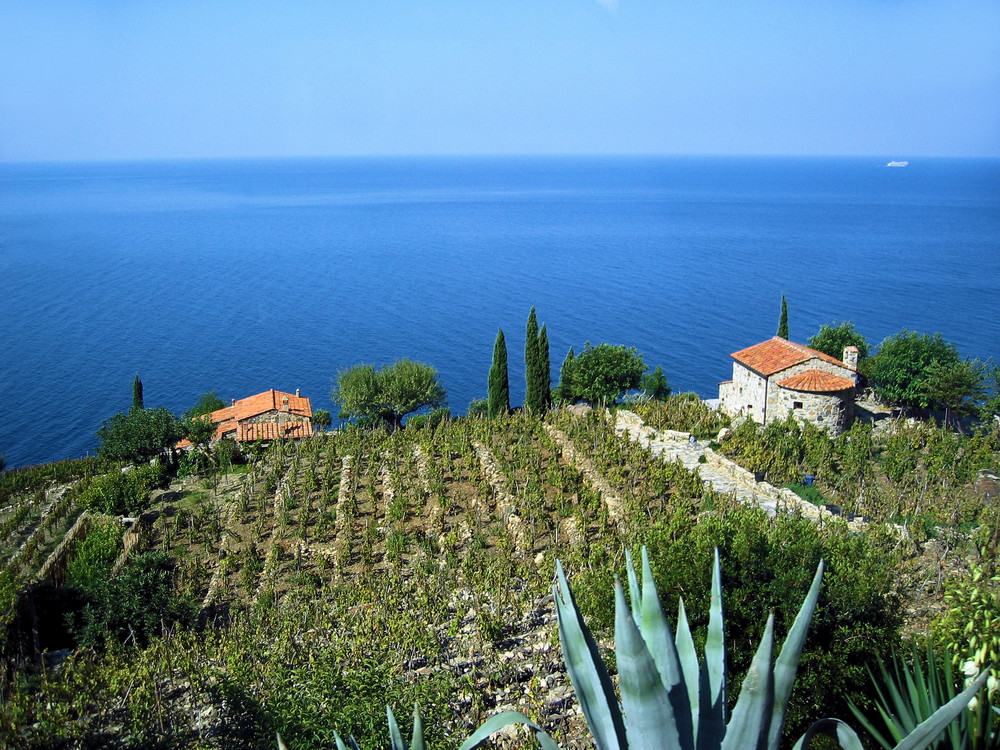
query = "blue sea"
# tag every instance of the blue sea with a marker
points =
(239, 276)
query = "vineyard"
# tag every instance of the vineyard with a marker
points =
(328, 577)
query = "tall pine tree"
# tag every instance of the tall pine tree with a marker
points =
(783, 320)
(544, 368)
(499, 388)
(137, 393)
(534, 401)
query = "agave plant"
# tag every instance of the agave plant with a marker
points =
(909, 694)
(670, 699)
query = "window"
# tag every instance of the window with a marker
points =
(796, 404)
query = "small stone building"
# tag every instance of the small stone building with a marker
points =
(776, 378)
(267, 416)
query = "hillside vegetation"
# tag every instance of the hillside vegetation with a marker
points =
(305, 589)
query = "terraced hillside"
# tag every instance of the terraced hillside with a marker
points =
(326, 578)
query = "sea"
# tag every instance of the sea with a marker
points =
(242, 275)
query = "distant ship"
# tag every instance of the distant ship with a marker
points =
(897, 164)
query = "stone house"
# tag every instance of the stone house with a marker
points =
(776, 378)
(267, 416)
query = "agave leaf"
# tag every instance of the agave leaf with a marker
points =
(587, 671)
(787, 663)
(660, 642)
(749, 723)
(394, 735)
(504, 719)
(929, 729)
(281, 745)
(688, 658)
(649, 719)
(845, 736)
(417, 738)
(712, 683)
(633, 588)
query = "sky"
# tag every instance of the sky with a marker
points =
(163, 79)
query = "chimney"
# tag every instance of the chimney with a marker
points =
(297, 394)
(234, 402)
(851, 357)
(284, 403)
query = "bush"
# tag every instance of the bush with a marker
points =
(768, 566)
(123, 493)
(93, 558)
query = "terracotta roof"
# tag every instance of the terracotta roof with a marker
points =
(816, 381)
(228, 419)
(777, 354)
(272, 431)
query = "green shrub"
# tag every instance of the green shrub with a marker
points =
(92, 560)
(123, 493)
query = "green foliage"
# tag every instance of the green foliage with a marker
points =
(991, 403)
(199, 430)
(544, 367)
(206, 404)
(783, 320)
(833, 338)
(432, 419)
(139, 435)
(654, 384)
(32, 478)
(909, 694)
(498, 401)
(386, 395)
(123, 493)
(685, 412)
(478, 407)
(898, 371)
(564, 390)
(90, 564)
(322, 419)
(970, 627)
(137, 393)
(601, 374)
(136, 604)
(3, 463)
(956, 387)
(534, 395)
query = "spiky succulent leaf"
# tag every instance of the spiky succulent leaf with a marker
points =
(845, 736)
(505, 719)
(787, 664)
(688, 658)
(587, 671)
(930, 728)
(417, 738)
(660, 642)
(649, 719)
(633, 589)
(712, 701)
(749, 723)
(395, 737)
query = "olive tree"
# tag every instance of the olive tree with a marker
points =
(898, 371)
(387, 394)
(138, 435)
(601, 374)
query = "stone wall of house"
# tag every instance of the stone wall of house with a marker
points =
(832, 412)
(745, 395)
(276, 417)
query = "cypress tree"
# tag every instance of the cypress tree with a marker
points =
(499, 387)
(533, 400)
(564, 391)
(137, 393)
(544, 368)
(783, 320)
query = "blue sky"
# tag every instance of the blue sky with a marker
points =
(135, 79)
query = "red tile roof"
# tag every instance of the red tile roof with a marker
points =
(816, 381)
(229, 419)
(777, 354)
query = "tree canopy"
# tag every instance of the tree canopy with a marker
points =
(898, 371)
(387, 394)
(601, 374)
(206, 404)
(956, 387)
(137, 393)
(833, 339)
(654, 384)
(138, 435)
